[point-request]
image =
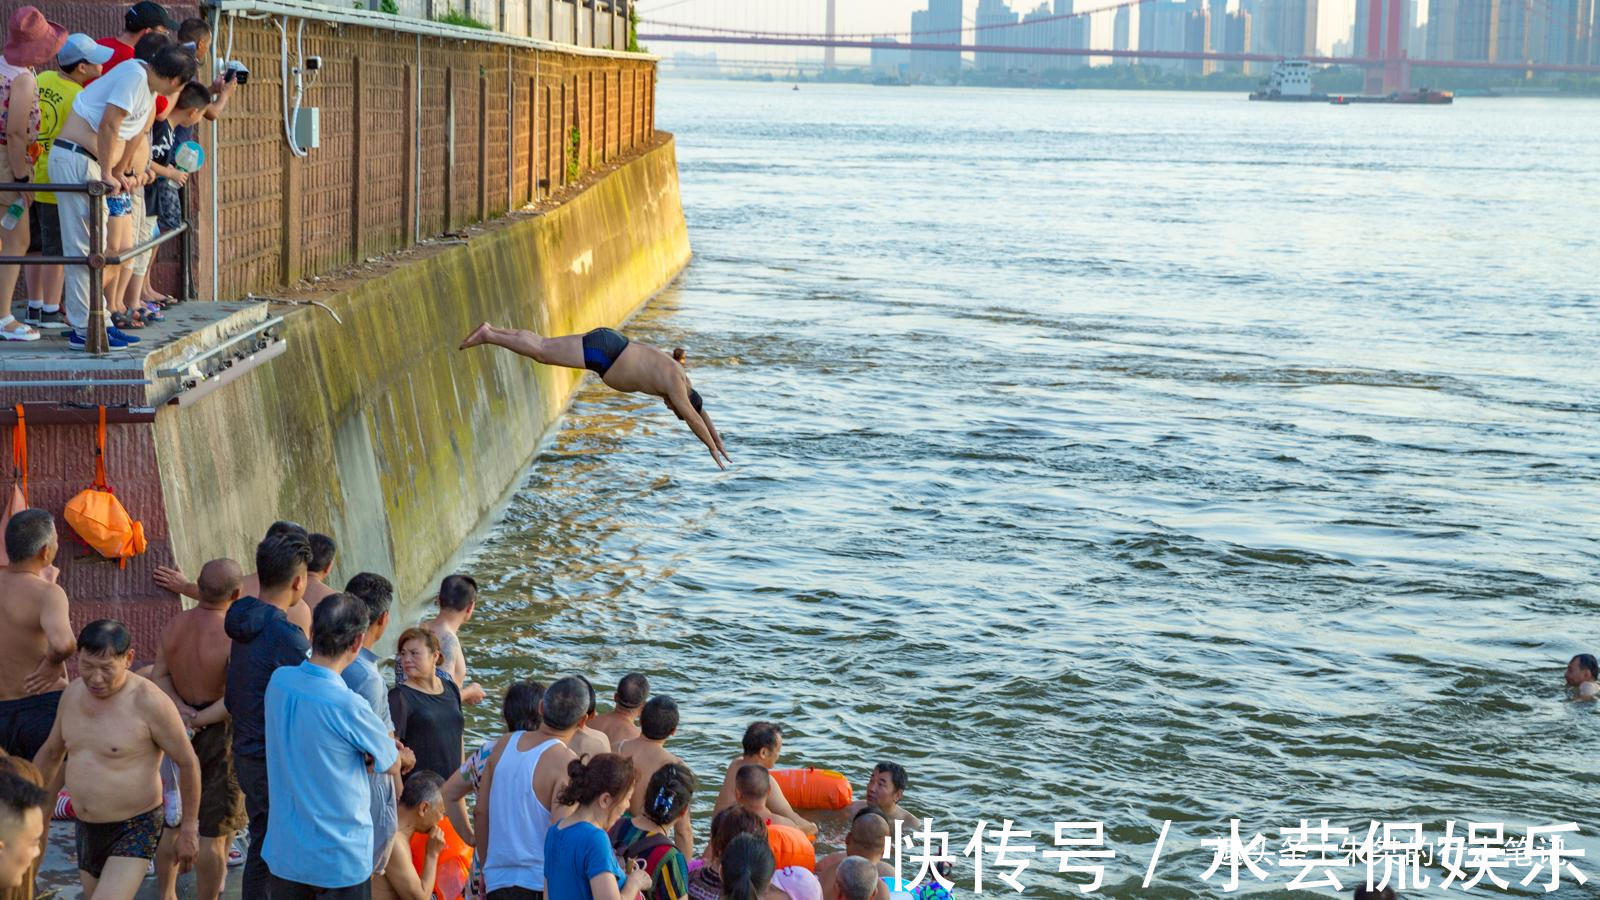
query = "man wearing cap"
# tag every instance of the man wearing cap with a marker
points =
(80, 61)
(141, 19)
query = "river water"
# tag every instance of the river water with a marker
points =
(1109, 457)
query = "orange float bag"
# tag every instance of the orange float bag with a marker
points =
(813, 788)
(17, 501)
(97, 515)
(791, 847)
(455, 863)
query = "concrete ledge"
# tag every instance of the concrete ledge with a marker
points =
(382, 433)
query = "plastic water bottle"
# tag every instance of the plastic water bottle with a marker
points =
(188, 157)
(13, 215)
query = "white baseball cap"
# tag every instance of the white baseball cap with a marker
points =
(80, 47)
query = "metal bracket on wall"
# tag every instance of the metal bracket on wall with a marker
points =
(203, 373)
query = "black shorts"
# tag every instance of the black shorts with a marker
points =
(221, 801)
(25, 723)
(135, 838)
(44, 229)
(601, 347)
(516, 893)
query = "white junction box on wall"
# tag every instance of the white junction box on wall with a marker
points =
(308, 128)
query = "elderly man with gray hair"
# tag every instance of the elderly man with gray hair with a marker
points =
(856, 879)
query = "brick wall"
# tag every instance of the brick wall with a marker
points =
(420, 136)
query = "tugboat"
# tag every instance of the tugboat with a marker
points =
(1290, 81)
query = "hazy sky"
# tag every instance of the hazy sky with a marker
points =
(1334, 19)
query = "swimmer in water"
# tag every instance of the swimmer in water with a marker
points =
(624, 365)
(1583, 676)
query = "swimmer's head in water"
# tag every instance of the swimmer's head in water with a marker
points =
(763, 740)
(887, 785)
(1384, 893)
(1581, 668)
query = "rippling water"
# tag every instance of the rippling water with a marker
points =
(1108, 456)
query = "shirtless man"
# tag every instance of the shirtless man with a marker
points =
(885, 790)
(112, 728)
(586, 741)
(626, 366)
(458, 596)
(865, 840)
(1583, 677)
(763, 742)
(648, 753)
(622, 722)
(421, 809)
(35, 635)
(752, 786)
(300, 614)
(192, 668)
(510, 821)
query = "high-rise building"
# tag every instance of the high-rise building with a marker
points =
(940, 23)
(1197, 39)
(1164, 26)
(1235, 39)
(1286, 28)
(1219, 22)
(1477, 27)
(992, 20)
(1441, 30)
(1120, 23)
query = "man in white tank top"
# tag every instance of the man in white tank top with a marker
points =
(511, 820)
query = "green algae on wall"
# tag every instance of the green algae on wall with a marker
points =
(382, 433)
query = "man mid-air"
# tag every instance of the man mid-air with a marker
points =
(624, 365)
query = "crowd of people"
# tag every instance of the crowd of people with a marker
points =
(75, 110)
(266, 713)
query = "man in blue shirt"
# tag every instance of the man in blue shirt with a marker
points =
(362, 677)
(322, 741)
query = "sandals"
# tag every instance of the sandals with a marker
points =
(152, 313)
(126, 321)
(12, 330)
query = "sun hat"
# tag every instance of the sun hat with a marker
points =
(31, 39)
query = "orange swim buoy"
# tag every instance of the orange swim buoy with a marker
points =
(791, 847)
(813, 788)
(455, 863)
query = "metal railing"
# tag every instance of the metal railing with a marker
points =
(97, 260)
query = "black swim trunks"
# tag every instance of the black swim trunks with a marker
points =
(601, 347)
(135, 838)
(25, 723)
(694, 400)
(221, 801)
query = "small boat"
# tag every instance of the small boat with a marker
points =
(1289, 82)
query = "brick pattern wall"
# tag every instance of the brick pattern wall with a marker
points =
(419, 137)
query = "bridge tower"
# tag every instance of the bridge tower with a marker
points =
(1384, 41)
(827, 54)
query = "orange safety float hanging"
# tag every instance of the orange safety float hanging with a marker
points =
(17, 500)
(97, 515)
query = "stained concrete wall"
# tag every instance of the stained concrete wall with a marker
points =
(381, 432)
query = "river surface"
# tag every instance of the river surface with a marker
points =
(1121, 457)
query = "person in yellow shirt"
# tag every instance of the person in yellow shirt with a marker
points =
(79, 62)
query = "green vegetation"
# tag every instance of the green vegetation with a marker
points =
(457, 17)
(390, 7)
(574, 142)
(633, 30)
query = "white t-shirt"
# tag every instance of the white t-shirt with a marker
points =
(126, 87)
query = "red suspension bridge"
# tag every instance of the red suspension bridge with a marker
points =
(1388, 69)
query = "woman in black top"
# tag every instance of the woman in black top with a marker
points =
(426, 707)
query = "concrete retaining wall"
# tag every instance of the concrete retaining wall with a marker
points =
(382, 433)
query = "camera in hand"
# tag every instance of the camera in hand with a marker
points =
(235, 71)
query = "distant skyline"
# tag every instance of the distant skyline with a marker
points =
(1334, 19)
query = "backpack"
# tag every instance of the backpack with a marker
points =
(97, 515)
